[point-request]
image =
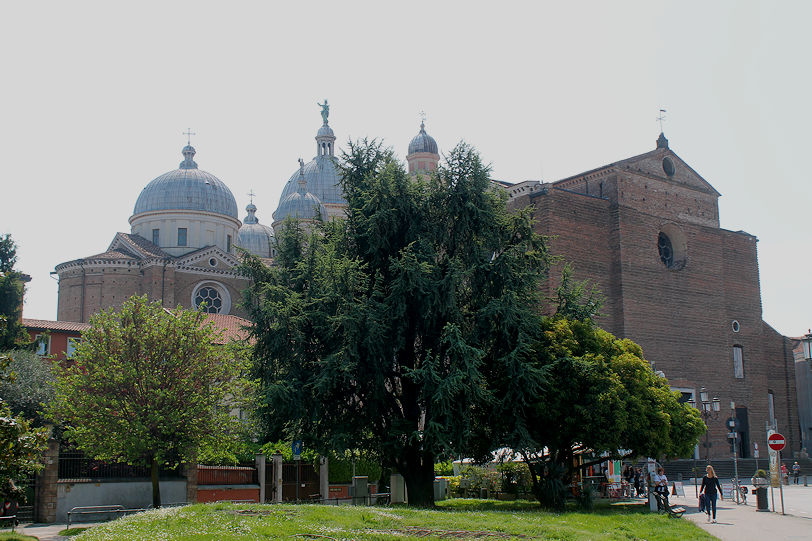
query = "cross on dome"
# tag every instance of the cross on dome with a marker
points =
(188, 133)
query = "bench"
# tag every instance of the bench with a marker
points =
(662, 503)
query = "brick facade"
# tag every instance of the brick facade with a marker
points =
(607, 224)
(134, 266)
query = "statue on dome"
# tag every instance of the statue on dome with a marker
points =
(325, 110)
(301, 167)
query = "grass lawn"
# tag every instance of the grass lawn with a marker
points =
(453, 519)
(8, 536)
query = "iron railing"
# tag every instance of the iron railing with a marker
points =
(74, 465)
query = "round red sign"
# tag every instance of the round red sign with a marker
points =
(776, 441)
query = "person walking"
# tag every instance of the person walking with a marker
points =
(784, 474)
(638, 482)
(710, 488)
(796, 472)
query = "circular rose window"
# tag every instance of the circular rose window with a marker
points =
(211, 297)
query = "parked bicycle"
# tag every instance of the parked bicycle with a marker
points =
(742, 490)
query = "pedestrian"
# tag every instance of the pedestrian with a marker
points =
(710, 488)
(638, 482)
(796, 471)
(628, 476)
(784, 474)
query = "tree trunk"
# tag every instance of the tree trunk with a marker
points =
(156, 487)
(419, 477)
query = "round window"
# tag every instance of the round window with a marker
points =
(735, 326)
(213, 262)
(672, 247)
(211, 297)
(208, 300)
(668, 166)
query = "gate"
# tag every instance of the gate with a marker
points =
(26, 511)
(300, 481)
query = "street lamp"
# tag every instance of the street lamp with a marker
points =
(806, 341)
(735, 433)
(709, 411)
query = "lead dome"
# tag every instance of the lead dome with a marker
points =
(186, 209)
(423, 142)
(187, 188)
(321, 174)
(255, 237)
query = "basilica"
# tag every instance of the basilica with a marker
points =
(645, 230)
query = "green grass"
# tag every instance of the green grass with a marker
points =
(8, 536)
(70, 532)
(498, 520)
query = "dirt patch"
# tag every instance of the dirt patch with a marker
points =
(451, 534)
(260, 512)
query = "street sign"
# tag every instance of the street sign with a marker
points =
(297, 449)
(776, 441)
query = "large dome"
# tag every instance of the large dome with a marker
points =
(322, 179)
(423, 142)
(187, 188)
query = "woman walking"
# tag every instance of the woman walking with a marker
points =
(710, 488)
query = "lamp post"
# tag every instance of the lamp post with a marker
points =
(735, 433)
(806, 341)
(709, 410)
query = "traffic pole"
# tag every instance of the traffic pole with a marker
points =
(781, 483)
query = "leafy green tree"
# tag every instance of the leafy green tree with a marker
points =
(599, 394)
(12, 287)
(383, 331)
(148, 386)
(32, 388)
(21, 446)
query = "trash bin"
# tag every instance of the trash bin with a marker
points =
(761, 499)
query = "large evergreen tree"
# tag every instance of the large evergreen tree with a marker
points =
(384, 331)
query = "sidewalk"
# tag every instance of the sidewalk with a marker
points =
(43, 532)
(744, 523)
(49, 532)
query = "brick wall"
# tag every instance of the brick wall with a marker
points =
(682, 317)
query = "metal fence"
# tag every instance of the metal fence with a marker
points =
(75, 466)
(227, 475)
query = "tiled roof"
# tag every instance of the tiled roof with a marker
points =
(232, 327)
(46, 324)
(111, 254)
(143, 245)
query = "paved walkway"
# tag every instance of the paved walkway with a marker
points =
(744, 523)
(48, 532)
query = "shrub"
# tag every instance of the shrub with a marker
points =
(515, 478)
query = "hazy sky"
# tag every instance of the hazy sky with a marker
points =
(95, 97)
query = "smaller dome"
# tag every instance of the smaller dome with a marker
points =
(301, 204)
(325, 131)
(423, 142)
(253, 236)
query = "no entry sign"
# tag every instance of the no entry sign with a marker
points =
(776, 442)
